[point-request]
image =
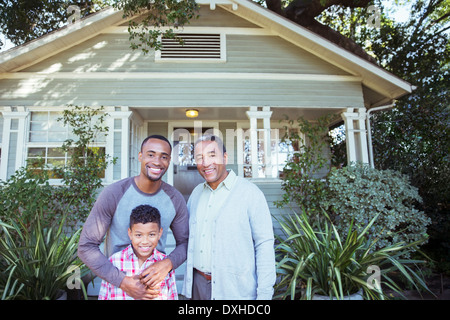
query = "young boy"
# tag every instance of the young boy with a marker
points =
(144, 232)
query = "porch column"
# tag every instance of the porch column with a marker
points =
(118, 143)
(254, 114)
(356, 135)
(13, 140)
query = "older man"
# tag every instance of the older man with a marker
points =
(231, 243)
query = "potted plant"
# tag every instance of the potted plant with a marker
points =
(314, 259)
(36, 261)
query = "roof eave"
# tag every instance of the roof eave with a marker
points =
(372, 75)
(31, 52)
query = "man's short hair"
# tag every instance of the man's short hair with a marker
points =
(212, 137)
(156, 136)
(145, 214)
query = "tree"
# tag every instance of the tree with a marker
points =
(412, 137)
(83, 174)
(25, 20)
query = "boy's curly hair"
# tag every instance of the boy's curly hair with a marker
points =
(145, 214)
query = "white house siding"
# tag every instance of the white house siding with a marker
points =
(180, 93)
(245, 53)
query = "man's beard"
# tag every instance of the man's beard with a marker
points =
(163, 171)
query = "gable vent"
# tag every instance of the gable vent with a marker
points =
(191, 46)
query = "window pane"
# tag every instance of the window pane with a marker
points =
(39, 116)
(36, 152)
(38, 136)
(56, 137)
(38, 125)
(56, 162)
(55, 152)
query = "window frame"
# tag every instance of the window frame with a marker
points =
(245, 126)
(47, 145)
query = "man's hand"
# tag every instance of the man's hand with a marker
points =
(135, 289)
(156, 273)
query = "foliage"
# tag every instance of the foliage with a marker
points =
(413, 137)
(156, 15)
(37, 256)
(358, 193)
(29, 187)
(22, 21)
(317, 259)
(24, 192)
(36, 261)
(301, 184)
(83, 174)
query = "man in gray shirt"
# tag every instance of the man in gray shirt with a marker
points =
(110, 217)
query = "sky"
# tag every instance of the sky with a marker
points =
(401, 16)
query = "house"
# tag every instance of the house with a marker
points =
(242, 68)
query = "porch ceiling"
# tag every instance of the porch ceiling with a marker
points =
(227, 113)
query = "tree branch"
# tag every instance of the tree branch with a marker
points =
(303, 12)
(275, 6)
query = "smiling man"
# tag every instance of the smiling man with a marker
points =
(111, 213)
(231, 244)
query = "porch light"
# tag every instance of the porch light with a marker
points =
(192, 113)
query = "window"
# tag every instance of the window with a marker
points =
(44, 127)
(279, 153)
(1, 128)
(51, 157)
(135, 147)
(45, 138)
(192, 47)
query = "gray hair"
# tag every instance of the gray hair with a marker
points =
(211, 137)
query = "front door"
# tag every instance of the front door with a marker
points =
(185, 174)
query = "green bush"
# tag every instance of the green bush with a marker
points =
(358, 193)
(36, 261)
(26, 191)
(309, 160)
(316, 259)
(39, 222)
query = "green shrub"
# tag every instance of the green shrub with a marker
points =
(315, 258)
(86, 167)
(358, 193)
(26, 191)
(36, 261)
(309, 160)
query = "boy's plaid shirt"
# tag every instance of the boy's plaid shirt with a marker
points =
(127, 261)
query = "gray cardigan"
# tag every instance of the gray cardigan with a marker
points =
(243, 260)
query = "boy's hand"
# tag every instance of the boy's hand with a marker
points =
(156, 273)
(134, 288)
